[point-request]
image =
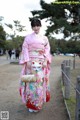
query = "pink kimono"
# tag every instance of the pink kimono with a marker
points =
(35, 48)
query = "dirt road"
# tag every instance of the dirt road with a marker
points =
(11, 101)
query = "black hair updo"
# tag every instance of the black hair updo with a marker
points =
(35, 22)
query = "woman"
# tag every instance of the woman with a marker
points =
(35, 52)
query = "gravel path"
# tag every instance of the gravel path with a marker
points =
(11, 101)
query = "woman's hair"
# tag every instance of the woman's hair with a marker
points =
(35, 22)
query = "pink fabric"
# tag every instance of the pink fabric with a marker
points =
(32, 42)
(35, 48)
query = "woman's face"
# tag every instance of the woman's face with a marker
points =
(36, 29)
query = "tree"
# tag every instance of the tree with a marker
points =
(63, 18)
(16, 27)
(17, 43)
(1, 18)
(2, 34)
(53, 45)
(2, 37)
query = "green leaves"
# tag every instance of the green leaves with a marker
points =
(60, 16)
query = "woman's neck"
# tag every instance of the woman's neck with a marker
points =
(36, 33)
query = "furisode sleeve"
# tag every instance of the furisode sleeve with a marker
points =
(47, 50)
(24, 57)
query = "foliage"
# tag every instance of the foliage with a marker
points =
(1, 18)
(16, 27)
(53, 46)
(2, 37)
(64, 46)
(15, 40)
(62, 17)
(16, 43)
(71, 103)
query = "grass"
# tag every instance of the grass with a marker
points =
(71, 103)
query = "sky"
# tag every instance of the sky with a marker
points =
(20, 10)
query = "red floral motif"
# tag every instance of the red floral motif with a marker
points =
(32, 106)
(32, 62)
(41, 52)
(47, 96)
